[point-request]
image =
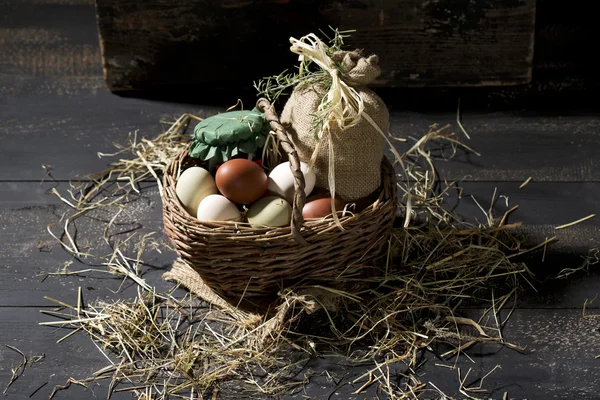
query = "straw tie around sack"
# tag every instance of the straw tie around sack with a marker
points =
(341, 104)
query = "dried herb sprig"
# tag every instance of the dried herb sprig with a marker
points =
(272, 87)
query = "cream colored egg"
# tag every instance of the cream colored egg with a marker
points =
(281, 181)
(193, 185)
(270, 211)
(214, 208)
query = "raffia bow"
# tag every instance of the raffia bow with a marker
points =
(342, 104)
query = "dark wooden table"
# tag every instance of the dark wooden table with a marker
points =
(55, 112)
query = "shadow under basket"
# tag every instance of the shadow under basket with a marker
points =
(247, 266)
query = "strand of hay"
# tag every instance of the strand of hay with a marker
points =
(159, 345)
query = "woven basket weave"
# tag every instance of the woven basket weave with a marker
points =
(237, 260)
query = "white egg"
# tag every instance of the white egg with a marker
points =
(193, 185)
(217, 208)
(281, 181)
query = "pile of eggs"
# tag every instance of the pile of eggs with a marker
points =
(242, 191)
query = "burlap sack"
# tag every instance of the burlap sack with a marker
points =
(308, 300)
(358, 150)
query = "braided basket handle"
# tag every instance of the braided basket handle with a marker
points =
(287, 145)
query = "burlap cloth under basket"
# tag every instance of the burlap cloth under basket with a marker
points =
(238, 261)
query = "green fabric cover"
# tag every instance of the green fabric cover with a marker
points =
(225, 135)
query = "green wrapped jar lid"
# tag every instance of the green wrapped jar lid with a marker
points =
(220, 137)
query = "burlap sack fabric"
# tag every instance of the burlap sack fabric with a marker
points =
(309, 300)
(358, 150)
(185, 275)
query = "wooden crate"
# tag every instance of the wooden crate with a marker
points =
(421, 43)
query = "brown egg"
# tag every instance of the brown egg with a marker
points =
(241, 181)
(319, 207)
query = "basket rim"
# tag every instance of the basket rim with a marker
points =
(243, 229)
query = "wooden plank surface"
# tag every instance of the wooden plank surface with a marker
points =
(28, 254)
(67, 131)
(559, 361)
(48, 39)
(27, 205)
(563, 76)
(420, 43)
(54, 110)
(78, 357)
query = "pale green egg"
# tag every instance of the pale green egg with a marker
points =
(269, 211)
(193, 186)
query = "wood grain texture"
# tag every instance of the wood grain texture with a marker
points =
(562, 74)
(66, 132)
(542, 206)
(65, 123)
(77, 357)
(513, 146)
(48, 39)
(28, 251)
(55, 111)
(558, 362)
(58, 2)
(420, 43)
(444, 43)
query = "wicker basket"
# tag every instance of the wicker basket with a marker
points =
(237, 260)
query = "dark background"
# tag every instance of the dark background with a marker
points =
(494, 53)
(56, 112)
